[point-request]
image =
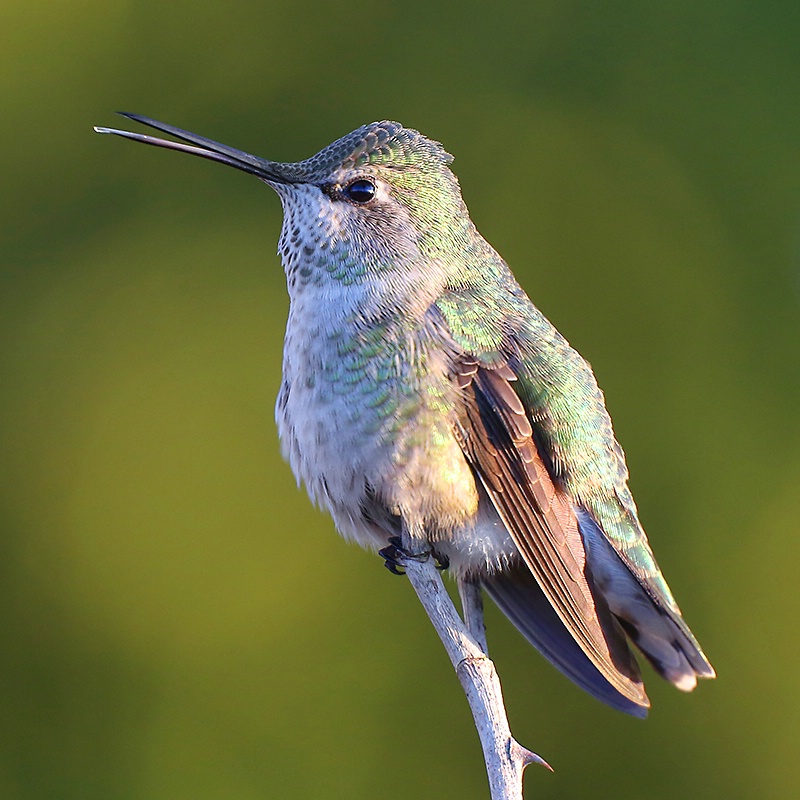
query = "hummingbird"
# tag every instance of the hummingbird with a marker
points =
(425, 395)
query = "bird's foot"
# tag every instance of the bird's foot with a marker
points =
(395, 557)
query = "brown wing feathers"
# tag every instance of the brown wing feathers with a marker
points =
(497, 438)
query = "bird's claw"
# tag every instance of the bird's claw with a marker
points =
(395, 557)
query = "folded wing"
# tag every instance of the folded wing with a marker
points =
(497, 439)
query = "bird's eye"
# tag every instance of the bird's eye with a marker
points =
(360, 191)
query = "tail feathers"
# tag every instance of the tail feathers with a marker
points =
(668, 644)
(651, 620)
(690, 647)
(519, 597)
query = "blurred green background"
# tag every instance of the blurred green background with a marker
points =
(178, 622)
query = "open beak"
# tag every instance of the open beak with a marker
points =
(270, 171)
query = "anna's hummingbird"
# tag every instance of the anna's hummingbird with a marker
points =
(423, 393)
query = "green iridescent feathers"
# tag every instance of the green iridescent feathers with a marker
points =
(379, 144)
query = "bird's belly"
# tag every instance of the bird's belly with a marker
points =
(482, 547)
(379, 452)
(351, 474)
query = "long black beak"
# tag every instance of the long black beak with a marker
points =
(271, 171)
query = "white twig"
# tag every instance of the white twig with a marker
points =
(505, 758)
(472, 611)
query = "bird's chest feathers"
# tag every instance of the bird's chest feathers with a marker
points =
(368, 408)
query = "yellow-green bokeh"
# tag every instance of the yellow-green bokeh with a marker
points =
(178, 622)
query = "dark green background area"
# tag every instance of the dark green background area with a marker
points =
(177, 621)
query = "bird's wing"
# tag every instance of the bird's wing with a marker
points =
(497, 439)
(519, 597)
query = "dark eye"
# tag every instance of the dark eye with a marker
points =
(360, 191)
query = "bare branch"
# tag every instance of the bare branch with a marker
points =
(505, 758)
(472, 611)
